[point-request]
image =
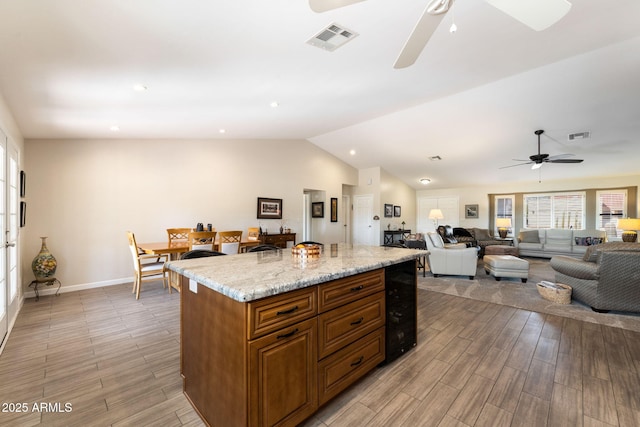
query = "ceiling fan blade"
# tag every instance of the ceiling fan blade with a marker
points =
(535, 14)
(559, 156)
(519, 164)
(421, 34)
(565, 161)
(325, 5)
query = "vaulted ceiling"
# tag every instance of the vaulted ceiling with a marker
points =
(474, 97)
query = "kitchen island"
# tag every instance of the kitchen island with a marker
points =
(268, 337)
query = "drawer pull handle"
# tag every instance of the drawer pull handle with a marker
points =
(291, 310)
(359, 361)
(357, 288)
(357, 322)
(289, 334)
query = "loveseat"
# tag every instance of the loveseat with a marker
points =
(545, 243)
(607, 277)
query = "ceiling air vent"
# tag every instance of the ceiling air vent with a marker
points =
(579, 135)
(332, 37)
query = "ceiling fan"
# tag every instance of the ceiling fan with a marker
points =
(536, 160)
(536, 14)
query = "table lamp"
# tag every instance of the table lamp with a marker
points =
(629, 227)
(435, 215)
(503, 224)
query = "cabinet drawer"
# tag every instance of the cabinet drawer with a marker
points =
(343, 368)
(273, 313)
(341, 291)
(344, 325)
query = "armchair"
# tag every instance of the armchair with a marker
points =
(456, 260)
(607, 278)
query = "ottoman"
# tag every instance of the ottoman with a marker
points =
(500, 266)
(501, 250)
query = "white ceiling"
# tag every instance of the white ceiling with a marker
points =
(474, 98)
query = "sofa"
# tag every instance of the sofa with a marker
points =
(457, 260)
(546, 243)
(607, 277)
(479, 237)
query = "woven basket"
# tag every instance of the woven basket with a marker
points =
(555, 292)
(306, 251)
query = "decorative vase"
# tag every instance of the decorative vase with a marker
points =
(44, 265)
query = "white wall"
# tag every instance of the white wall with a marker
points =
(84, 195)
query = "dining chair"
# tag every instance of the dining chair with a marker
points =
(202, 240)
(146, 266)
(178, 234)
(262, 248)
(253, 234)
(229, 242)
(200, 253)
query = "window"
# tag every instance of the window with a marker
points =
(504, 209)
(557, 210)
(611, 206)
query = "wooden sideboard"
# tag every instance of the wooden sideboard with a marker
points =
(279, 240)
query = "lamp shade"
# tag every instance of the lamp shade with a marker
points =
(503, 223)
(628, 224)
(436, 214)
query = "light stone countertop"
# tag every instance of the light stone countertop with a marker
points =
(254, 275)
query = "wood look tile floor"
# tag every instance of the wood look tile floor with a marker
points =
(115, 360)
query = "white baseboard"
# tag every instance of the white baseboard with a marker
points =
(51, 290)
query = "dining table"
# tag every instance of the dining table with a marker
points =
(176, 248)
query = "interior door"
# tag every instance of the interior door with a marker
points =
(4, 289)
(363, 230)
(345, 216)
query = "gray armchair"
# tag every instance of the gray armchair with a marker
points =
(456, 259)
(607, 278)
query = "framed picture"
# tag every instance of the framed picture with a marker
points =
(471, 211)
(334, 209)
(317, 210)
(23, 184)
(269, 208)
(23, 214)
(388, 210)
(397, 211)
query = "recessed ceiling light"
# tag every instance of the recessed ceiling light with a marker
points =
(274, 104)
(352, 152)
(114, 128)
(222, 130)
(139, 88)
(425, 181)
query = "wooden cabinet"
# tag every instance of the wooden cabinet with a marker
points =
(282, 381)
(273, 361)
(279, 240)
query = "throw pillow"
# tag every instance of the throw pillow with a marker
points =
(461, 232)
(529, 236)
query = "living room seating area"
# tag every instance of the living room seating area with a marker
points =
(545, 243)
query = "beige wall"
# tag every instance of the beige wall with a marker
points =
(84, 195)
(480, 195)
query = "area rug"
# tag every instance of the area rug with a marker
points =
(514, 293)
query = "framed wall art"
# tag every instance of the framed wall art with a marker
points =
(317, 210)
(388, 210)
(471, 211)
(334, 209)
(397, 211)
(269, 208)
